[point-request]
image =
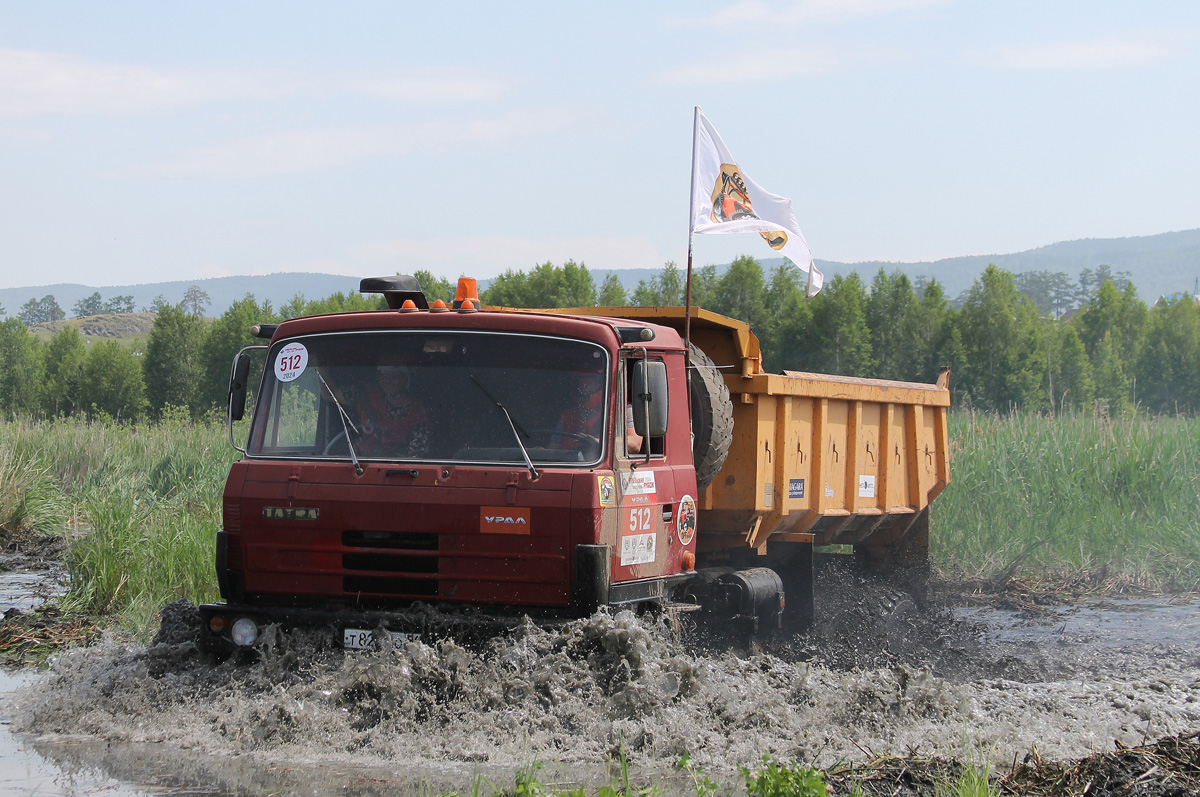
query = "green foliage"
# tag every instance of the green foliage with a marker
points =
(228, 335)
(435, 288)
(547, 285)
(840, 341)
(112, 382)
(666, 289)
(1169, 368)
(37, 311)
(196, 301)
(701, 783)
(298, 306)
(783, 780)
(1002, 367)
(612, 293)
(21, 371)
(172, 365)
(972, 781)
(119, 305)
(90, 305)
(1069, 374)
(65, 358)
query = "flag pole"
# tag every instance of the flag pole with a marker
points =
(687, 301)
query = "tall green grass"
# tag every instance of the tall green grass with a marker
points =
(145, 505)
(1080, 495)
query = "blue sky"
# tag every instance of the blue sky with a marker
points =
(145, 141)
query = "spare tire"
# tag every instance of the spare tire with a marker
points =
(712, 417)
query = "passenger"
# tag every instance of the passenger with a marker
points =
(633, 440)
(393, 423)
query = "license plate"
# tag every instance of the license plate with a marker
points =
(361, 639)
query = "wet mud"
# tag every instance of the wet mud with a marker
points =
(885, 675)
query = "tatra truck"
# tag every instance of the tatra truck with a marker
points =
(428, 466)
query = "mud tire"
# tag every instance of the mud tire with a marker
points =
(712, 417)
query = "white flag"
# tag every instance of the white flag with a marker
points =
(725, 200)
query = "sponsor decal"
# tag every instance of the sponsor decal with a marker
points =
(866, 485)
(291, 362)
(291, 513)
(638, 483)
(608, 490)
(637, 549)
(504, 520)
(685, 519)
(796, 488)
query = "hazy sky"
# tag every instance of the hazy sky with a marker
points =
(146, 141)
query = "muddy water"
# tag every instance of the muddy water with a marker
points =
(902, 679)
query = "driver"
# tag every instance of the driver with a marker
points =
(584, 418)
(392, 421)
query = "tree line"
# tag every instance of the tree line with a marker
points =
(1098, 347)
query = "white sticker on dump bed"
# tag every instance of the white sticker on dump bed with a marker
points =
(866, 485)
(637, 549)
(291, 362)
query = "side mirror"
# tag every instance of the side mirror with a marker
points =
(238, 386)
(649, 398)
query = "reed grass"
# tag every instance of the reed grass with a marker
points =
(140, 505)
(1077, 496)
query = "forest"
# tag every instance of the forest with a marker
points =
(1035, 341)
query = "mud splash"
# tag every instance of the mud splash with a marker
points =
(909, 679)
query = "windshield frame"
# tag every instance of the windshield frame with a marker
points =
(269, 391)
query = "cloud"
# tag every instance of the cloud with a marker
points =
(753, 66)
(317, 149)
(1103, 53)
(757, 13)
(462, 256)
(40, 83)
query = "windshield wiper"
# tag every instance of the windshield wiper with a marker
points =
(347, 424)
(533, 474)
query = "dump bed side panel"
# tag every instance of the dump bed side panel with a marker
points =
(815, 457)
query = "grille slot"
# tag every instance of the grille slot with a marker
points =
(389, 563)
(381, 585)
(406, 540)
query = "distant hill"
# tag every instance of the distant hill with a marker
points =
(1158, 264)
(222, 291)
(122, 326)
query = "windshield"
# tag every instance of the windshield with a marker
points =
(419, 395)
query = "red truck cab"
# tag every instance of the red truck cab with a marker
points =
(455, 458)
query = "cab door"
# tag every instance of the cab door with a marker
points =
(655, 482)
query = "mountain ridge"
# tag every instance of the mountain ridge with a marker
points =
(1161, 264)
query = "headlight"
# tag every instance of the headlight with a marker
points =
(244, 632)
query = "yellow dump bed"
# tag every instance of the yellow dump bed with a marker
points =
(815, 457)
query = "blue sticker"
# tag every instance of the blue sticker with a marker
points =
(796, 488)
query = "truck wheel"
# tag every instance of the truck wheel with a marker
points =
(712, 417)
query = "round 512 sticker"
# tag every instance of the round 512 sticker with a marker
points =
(291, 362)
